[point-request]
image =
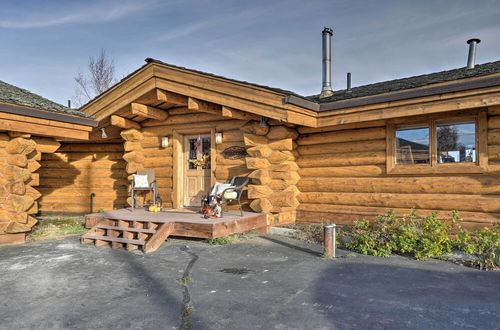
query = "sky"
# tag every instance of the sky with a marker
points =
(44, 43)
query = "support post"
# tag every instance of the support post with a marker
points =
(329, 240)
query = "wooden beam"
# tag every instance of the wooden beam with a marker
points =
(172, 98)
(43, 130)
(148, 112)
(124, 122)
(202, 106)
(238, 114)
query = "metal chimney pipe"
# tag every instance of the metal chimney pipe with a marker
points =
(327, 63)
(348, 90)
(69, 104)
(471, 59)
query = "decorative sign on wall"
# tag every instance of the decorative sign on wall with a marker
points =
(234, 152)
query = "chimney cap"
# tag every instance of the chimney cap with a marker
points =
(473, 39)
(327, 30)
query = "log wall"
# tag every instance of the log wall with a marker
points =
(19, 162)
(343, 178)
(148, 144)
(69, 176)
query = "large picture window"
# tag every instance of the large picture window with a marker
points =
(455, 144)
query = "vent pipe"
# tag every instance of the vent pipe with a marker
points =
(327, 63)
(471, 60)
(69, 104)
(348, 89)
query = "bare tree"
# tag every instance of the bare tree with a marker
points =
(99, 77)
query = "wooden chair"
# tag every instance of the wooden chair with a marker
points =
(150, 186)
(234, 193)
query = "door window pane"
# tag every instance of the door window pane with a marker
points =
(456, 142)
(412, 145)
(199, 153)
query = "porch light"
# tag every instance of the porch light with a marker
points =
(263, 122)
(164, 142)
(103, 133)
(218, 137)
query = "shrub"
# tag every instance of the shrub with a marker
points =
(484, 243)
(422, 237)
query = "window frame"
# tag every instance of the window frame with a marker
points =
(480, 166)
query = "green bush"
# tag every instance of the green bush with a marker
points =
(422, 237)
(484, 243)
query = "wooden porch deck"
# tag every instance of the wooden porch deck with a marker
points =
(134, 228)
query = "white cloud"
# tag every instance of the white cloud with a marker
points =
(98, 12)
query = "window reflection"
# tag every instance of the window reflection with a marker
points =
(456, 142)
(412, 145)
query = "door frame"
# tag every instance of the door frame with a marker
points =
(178, 161)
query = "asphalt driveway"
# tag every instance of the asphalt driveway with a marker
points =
(265, 282)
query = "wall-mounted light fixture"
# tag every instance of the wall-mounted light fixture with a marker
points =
(103, 133)
(218, 137)
(263, 122)
(165, 142)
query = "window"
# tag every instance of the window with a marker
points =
(438, 145)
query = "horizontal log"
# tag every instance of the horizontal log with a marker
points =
(90, 173)
(278, 157)
(183, 119)
(281, 145)
(494, 152)
(164, 129)
(473, 203)
(234, 135)
(254, 127)
(157, 162)
(343, 159)
(494, 110)
(132, 135)
(494, 122)
(90, 147)
(49, 194)
(84, 183)
(157, 152)
(261, 151)
(252, 140)
(364, 134)
(20, 146)
(46, 145)
(405, 185)
(290, 178)
(146, 111)
(367, 212)
(308, 130)
(357, 146)
(282, 132)
(261, 205)
(494, 136)
(237, 114)
(132, 146)
(124, 122)
(225, 172)
(80, 206)
(85, 164)
(151, 142)
(73, 156)
(220, 160)
(364, 170)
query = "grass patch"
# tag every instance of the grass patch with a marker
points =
(54, 227)
(308, 233)
(226, 240)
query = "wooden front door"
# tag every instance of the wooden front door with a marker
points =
(197, 168)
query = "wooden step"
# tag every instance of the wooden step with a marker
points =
(114, 239)
(130, 229)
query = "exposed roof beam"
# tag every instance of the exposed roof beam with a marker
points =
(148, 112)
(124, 122)
(42, 129)
(237, 114)
(202, 106)
(172, 98)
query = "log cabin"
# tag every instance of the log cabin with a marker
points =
(429, 143)
(30, 127)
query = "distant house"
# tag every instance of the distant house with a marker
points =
(337, 157)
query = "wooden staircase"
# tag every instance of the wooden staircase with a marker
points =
(129, 234)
